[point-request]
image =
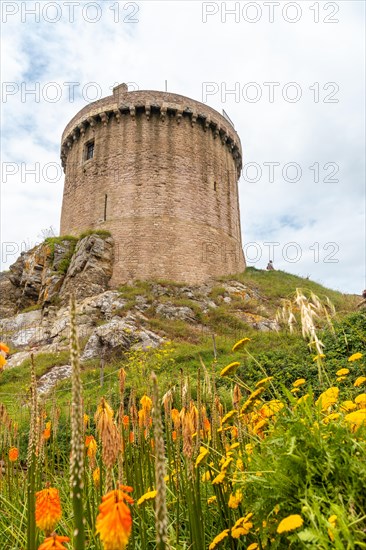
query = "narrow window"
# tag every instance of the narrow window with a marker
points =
(89, 150)
(215, 186)
(105, 207)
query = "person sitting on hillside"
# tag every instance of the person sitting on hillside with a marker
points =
(270, 266)
(362, 304)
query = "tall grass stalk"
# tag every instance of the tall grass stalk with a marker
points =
(161, 514)
(77, 436)
(32, 462)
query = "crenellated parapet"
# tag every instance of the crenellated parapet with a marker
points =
(147, 104)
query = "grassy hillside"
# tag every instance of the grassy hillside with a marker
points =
(208, 340)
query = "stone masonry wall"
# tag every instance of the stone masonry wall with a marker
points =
(163, 180)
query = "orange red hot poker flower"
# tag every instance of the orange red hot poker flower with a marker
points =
(114, 521)
(13, 454)
(55, 542)
(48, 509)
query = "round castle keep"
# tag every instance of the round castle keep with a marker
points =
(160, 172)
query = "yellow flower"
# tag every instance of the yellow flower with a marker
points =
(92, 449)
(342, 372)
(226, 463)
(219, 478)
(257, 428)
(235, 499)
(328, 398)
(299, 382)
(249, 449)
(211, 500)
(246, 406)
(253, 546)
(240, 344)
(348, 406)
(202, 455)
(230, 369)
(2, 361)
(150, 495)
(356, 419)
(228, 415)
(361, 400)
(271, 408)
(48, 509)
(205, 477)
(359, 381)
(290, 524)
(242, 526)
(86, 419)
(4, 347)
(96, 477)
(264, 381)
(330, 417)
(218, 539)
(303, 399)
(333, 521)
(355, 357)
(146, 403)
(295, 390)
(256, 393)
(341, 378)
(319, 357)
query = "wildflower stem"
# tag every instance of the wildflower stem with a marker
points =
(77, 439)
(161, 514)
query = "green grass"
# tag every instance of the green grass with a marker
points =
(103, 233)
(276, 285)
(35, 307)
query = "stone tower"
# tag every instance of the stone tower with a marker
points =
(160, 172)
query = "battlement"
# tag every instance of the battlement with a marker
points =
(146, 103)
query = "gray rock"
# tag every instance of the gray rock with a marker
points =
(169, 311)
(17, 359)
(49, 380)
(119, 334)
(9, 296)
(258, 322)
(90, 269)
(23, 329)
(107, 303)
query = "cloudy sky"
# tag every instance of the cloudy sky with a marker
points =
(289, 74)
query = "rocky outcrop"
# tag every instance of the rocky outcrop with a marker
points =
(39, 273)
(9, 296)
(51, 271)
(108, 321)
(120, 334)
(90, 268)
(169, 311)
(49, 380)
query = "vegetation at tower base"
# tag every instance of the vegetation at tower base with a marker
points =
(262, 454)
